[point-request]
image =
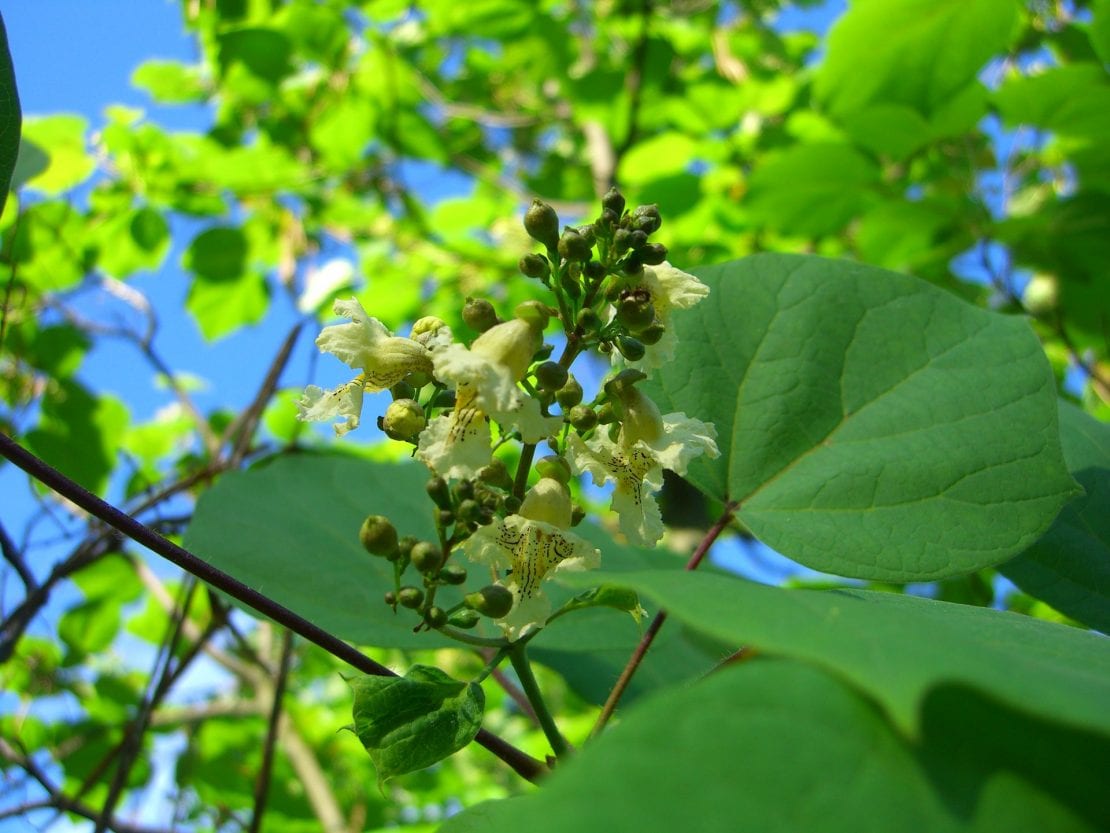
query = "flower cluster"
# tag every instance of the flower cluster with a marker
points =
(611, 290)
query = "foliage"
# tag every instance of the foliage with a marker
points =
(902, 226)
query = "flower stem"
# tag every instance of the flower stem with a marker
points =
(523, 668)
(657, 623)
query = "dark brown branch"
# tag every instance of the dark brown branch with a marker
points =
(262, 784)
(522, 763)
(657, 623)
(14, 557)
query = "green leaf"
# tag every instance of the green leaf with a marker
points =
(896, 648)
(411, 722)
(917, 53)
(11, 117)
(811, 189)
(89, 627)
(132, 241)
(169, 82)
(49, 246)
(222, 307)
(1069, 567)
(870, 424)
(264, 52)
(112, 576)
(1069, 100)
(62, 138)
(663, 155)
(1100, 29)
(779, 747)
(218, 254)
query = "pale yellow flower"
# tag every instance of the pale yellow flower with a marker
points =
(669, 289)
(534, 545)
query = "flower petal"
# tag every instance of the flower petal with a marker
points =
(681, 290)
(684, 439)
(456, 444)
(365, 344)
(319, 405)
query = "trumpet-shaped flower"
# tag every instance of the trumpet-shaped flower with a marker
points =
(365, 345)
(485, 379)
(668, 289)
(647, 444)
(534, 545)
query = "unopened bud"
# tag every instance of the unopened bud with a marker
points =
(464, 619)
(410, 597)
(646, 218)
(438, 492)
(594, 270)
(496, 474)
(452, 574)
(582, 417)
(630, 348)
(479, 314)
(588, 320)
(651, 334)
(551, 376)
(635, 310)
(570, 394)
(555, 468)
(404, 420)
(573, 246)
(542, 224)
(622, 240)
(534, 266)
(606, 415)
(426, 557)
(494, 600)
(613, 201)
(653, 254)
(378, 536)
(436, 617)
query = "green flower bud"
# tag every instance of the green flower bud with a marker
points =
(613, 201)
(653, 254)
(496, 474)
(544, 353)
(405, 545)
(468, 511)
(630, 348)
(573, 246)
(588, 233)
(570, 394)
(445, 517)
(542, 224)
(577, 515)
(652, 334)
(646, 218)
(571, 286)
(642, 420)
(554, 468)
(633, 264)
(551, 376)
(537, 314)
(438, 492)
(638, 239)
(625, 379)
(436, 617)
(534, 266)
(403, 420)
(622, 240)
(427, 557)
(635, 310)
(494, 601)
(391, 599)
(452, 574)
(464, 619)
(588, 320)
(512, 504)
(463, 490)
(608, 219)
(378, 536)
(410, 597)
(479, 315)
(582, 417)
(549, 500)
(426, 327)
(594, 270)
(1041, 295)
(402, 390)
(606, 415)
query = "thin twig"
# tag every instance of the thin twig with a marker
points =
(656, 623)
(522, 763)
(13, 556)
(262, 784)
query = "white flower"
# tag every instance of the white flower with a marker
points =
(535, 545)
(485, 379)
(669, 289)
(647, 444)
(365, 345)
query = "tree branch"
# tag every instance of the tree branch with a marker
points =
(262, 783)
(523, 764)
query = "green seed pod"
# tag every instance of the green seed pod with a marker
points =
(554, 467)
(542, 224)
(464, 619)
(573, 246)
(479, 315)
(551, 376)
(436, 617)
(427, 557)
(570, 394)
(534, 266)
(438, 492)
(635, 310)
(646, 218)
(378, 536)
(494, 601)
(582, 417)
(606, 415)
(404, 420)
(402, 390)
(410, 597)
(653, 253)
(452, 574)
(652, 334)
(613, 201)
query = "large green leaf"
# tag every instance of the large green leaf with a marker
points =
(870, 424)
(776, 746)
(897, 648)
(918, 53)
(411, 722)
(11, 117)
(1069, 567)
